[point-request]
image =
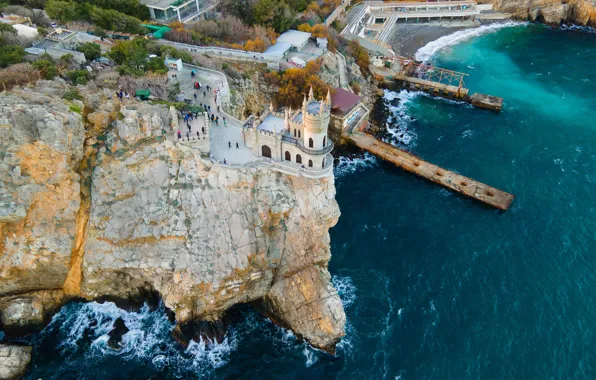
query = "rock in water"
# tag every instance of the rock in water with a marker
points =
(13, 361)
(130, 212)
(117, 333)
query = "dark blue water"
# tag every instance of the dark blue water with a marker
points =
(436, 286)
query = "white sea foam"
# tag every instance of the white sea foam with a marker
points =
(400, 120)
(348, 165)
(578, 28)
(148, 336)
(310, 355)
(427, 51)
(345, 288)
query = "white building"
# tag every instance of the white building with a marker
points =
(294, 38)
(167, 11)
(298, 137)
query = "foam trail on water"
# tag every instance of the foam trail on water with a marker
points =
(348, 165)
(427, 51)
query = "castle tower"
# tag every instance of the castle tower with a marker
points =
(316, 115)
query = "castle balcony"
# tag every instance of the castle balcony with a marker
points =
(315, 152)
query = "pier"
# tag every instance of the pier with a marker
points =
(453, 181)
(409, 74)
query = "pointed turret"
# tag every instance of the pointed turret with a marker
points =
(304, 105)
(311, 95)
(321, 106)
(271, 107)
(328, 98)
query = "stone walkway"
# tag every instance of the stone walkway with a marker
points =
(221, 135)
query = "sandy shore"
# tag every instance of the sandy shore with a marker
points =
(406, 39)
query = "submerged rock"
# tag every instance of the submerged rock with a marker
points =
(117, 333)
(13, 361)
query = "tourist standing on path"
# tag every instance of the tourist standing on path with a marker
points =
(195, 97)
(229, 145)
(237, 147)
(203, 130)
(179, 135)
(198, 136)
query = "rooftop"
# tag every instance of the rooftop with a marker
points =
(279, 49)
(313, 107)
(344, 101)
(271, 122)
(294, 37)
(165, 4)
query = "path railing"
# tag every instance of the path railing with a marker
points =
(300, 145)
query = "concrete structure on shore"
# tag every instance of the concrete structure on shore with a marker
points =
(185, 11)
(375, 19)
(453, 181)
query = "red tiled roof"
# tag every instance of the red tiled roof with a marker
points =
(343, 100)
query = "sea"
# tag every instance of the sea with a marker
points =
(435, 285)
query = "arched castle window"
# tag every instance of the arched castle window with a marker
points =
(310, 163)
(288, 156)
(298, 133)
(324, 140)
(298, 159)
(266, 151)
(310, 143)
(294, 132)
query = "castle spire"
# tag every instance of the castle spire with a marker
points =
(271, 107)
(328, 97)
(322, 106)
(311, 95)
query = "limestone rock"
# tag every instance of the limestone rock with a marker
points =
(41, 145)
(13, 361)
(26, 312)
(580, 12)
(121, 212)
(307, 303)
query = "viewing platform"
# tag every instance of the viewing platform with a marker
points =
(453, 181)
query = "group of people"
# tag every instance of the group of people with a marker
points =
(190, 131)
(122, 94)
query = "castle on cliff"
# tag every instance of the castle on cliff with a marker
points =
(294, 138)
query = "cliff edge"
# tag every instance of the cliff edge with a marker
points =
(554, 12)
(99, 203)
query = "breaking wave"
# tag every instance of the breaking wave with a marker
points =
(348, 165)
(577, 28)
(399, 122)
(83, 332)
(427, 51)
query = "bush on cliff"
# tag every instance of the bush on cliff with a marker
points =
(295, 82)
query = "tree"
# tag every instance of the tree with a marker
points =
(61, 10)
(47, 68)
(91, 50)
(360, 55)
(11, 54)
(7, 28)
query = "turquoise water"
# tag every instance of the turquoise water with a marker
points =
(436, 286)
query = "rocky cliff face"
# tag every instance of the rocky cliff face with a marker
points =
(132, 212)
(580, 12)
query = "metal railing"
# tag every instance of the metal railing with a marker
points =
(315, 152)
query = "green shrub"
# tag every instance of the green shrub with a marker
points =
(72, 95)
